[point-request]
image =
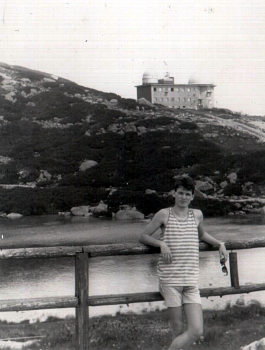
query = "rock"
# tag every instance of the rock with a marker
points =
(100, 209)
(14, 216)
(223, 184)
(31, 104)
(3, 215)
(262, 211)
(199, 194)
(80, 211)
(203, 186)
(44, 176)
(150, 191)
(129, 215)
(10, 97)
(87, 164)
(114, 101)
(143, 101)
(232, 177)
(130, 127)
(237, 205)
(48, 80)
(141, 130)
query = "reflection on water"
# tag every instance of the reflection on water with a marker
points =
(34, 278)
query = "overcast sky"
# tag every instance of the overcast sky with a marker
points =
(107, 45)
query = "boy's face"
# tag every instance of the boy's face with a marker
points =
(183, 197)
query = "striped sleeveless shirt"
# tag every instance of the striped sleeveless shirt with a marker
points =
(183, 241)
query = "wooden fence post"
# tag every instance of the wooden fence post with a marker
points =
(81, 292)
(234, 270)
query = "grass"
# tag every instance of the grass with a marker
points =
(228, 329)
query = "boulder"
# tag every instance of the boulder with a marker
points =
(87, 164)
(114, 101)
(14, 216)
(143, 101)
(129, 215)
(223, 184)
(102, 208)
(203, 186)
(232, 177)
(80, 211)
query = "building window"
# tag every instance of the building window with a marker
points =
(172, 89)
(172, 99)
(188, 89)
(154, 89)
(166, 93)
(184, 99)
(182, 90)
(166, 89)
(178, 99)
(189, 99)
(208, 94)
(155, 99)
(166, 99)
(160, 89)
(161, 99)
(177, 89)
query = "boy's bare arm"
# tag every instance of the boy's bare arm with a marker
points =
(206, 237)
(158, 220)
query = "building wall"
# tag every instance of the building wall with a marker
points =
(144, 91)
(180, 96)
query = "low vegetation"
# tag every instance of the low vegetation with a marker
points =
(228, 329)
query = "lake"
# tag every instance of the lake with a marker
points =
(33, 278)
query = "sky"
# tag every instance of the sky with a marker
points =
(107, 45)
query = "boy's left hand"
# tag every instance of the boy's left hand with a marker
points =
(223, 252)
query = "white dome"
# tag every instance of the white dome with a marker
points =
(149, 77)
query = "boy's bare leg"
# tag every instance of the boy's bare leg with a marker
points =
(194, 318)
(176, 321)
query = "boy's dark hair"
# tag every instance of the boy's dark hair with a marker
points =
(186, 182)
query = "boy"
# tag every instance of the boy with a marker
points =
(178, 265)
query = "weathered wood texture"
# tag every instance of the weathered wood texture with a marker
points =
(81, 292)
(48, 252)
(135, 249)
(113, 249)
(234, 278)
(38, 303)
(101, 300)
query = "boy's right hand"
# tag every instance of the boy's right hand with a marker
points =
(166, 253)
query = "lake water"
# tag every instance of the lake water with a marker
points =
(33, 278)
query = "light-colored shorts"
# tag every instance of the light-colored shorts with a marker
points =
(177, 296)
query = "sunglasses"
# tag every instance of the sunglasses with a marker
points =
(224, 268)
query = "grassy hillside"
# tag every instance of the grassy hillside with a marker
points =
(52, 125)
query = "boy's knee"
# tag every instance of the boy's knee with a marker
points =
(196, 332)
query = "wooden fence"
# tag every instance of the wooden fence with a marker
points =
(81, 301)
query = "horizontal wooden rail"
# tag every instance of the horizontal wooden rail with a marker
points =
(38, 303)
(112, 249)
(101, 300)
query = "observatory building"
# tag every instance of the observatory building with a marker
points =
(194, 95)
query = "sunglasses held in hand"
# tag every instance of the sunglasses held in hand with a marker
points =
(224, 268)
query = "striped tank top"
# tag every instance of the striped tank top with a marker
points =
(182, 239)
